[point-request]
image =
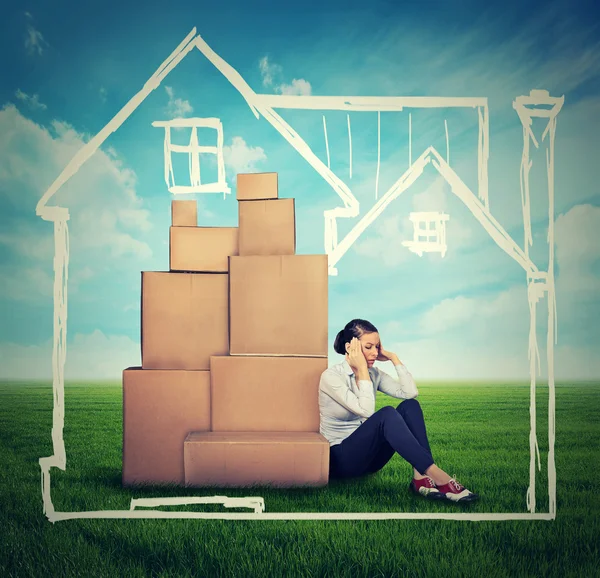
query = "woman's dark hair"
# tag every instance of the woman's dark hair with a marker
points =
(354, 328)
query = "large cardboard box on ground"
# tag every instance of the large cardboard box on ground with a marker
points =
(265, 393)
(238, 459)
(160, 408)
(267, 227)
(256, 186)
(184, 319)
(202, 249)
(278, 305)
(184, 213)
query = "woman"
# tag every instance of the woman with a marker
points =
(363, 440)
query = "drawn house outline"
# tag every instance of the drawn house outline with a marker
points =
(538, 282)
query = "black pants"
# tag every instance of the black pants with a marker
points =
(373, 444)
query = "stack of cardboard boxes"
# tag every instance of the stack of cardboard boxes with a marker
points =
(234, 340)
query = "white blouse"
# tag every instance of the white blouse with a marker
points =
(344, 403)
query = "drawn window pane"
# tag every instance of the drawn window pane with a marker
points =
(429, 233)
(199, 143)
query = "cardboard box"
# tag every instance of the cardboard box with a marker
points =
(265, 393)
(278, 305)
(239, 459)
(202, 249)
(184, 214)
(160, 408)
(256, 186)
(267, 227)
(184, 319)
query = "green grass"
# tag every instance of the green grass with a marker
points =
(478, 432)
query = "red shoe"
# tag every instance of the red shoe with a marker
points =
(426, 487)
(456, 492)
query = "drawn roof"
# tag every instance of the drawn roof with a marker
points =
(265, 105)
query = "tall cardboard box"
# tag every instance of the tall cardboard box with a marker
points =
(267, 227)
(265, 393)
(256, 186)
(239, 459)
(202, 249)
(184, 319)
(160, 408)
(278, 305)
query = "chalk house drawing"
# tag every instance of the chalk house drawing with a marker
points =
(538, 104)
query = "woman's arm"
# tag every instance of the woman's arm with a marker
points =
(402, 388)
(336, 387)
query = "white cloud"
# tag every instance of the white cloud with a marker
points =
(94, 356)
(34, 40)
(34, 283)
(271, 74)
(177, 107)
(26, 283)
(385, 242)
(433, 198)
(450, 359)
(24, 240)
(477, 314)
(32, 101)
(268, 71)
(577, 238)
(103, 92)
(465, 332)
(106, 212)
(299, 87)
(241, 158)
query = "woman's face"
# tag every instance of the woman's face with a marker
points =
(370, 345)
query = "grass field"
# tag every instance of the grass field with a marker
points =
(478, 432)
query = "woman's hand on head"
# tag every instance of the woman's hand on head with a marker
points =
(385, 355)
(355, 357)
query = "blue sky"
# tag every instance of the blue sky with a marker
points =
(68, 69)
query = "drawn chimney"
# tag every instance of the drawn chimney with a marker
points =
(234, 340)
(539, 108)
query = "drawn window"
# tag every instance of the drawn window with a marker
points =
(199, 154)
(429, 233)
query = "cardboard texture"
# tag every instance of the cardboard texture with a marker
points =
(256, 186)
(184, 319)
(234, 341)
(265, 393)
(160, 408)
(202, 249)
(184, 214)
(278, 305)
(267, 227)
(238, 459)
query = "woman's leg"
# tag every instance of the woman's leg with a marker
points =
(374, 442)
(411, 411)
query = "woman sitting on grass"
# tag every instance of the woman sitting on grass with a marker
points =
(363, 440)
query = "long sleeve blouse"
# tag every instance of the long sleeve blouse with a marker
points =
(345, 403)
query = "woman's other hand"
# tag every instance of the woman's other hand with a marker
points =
(356, 358)
(385, 355)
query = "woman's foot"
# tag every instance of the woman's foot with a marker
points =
(456, 492)
(424, 486)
